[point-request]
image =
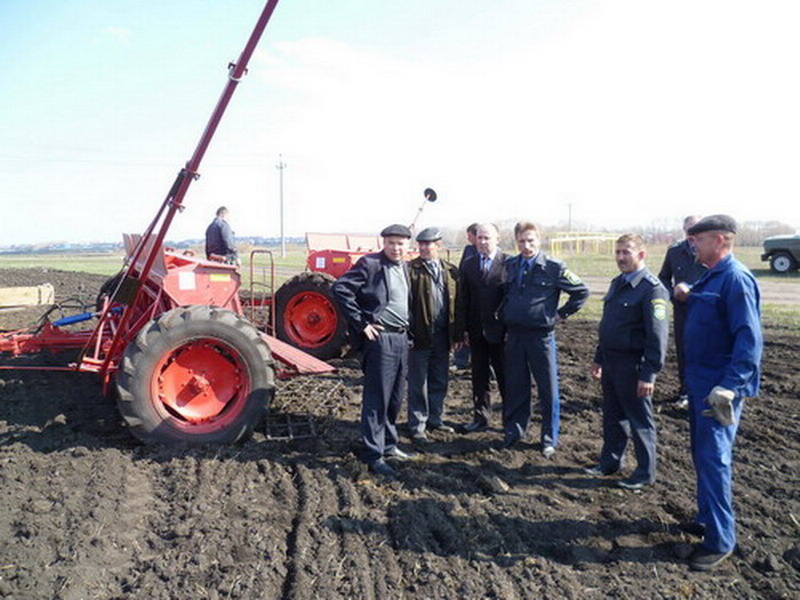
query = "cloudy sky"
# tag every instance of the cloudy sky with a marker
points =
(632, 112)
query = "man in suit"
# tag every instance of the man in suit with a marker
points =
(461, 355)
(534, 284)
(680, 266)
(477, 324)
(374, 296)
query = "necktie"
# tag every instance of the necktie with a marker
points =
(484, 264)
(523, 273)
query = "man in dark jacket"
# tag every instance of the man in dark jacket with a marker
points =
(534, 282)
(433, 297)
(680, 266)
(220, 245)
(480, 294)
(374, 296)
(630, 352)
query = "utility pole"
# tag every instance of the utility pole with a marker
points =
(569, 221)
(281, 166)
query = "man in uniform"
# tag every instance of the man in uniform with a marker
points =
(630, 352)
(722, 346)
(433, 297)
(480, 294)
(680, 266)
(219, 239)
(534, 282)
(374, 296)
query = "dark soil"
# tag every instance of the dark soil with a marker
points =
(87, 512)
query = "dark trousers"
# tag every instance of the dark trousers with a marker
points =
(385, 365)
(485, 358)
(427, 383)
(531, 353)
(626, 415)
(712, 454)
(679, 320)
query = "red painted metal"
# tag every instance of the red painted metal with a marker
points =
(310, 319)
(157, 280)
(201, 381)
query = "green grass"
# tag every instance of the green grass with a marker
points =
(586, 265)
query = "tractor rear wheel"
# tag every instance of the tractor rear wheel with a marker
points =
(196, 374)
(308, 317)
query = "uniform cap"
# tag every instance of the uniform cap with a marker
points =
(429, 234)
(713, 223)
(396, 230)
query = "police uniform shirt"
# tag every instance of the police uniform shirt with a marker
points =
(635, 320)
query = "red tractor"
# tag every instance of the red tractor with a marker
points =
(171, 332)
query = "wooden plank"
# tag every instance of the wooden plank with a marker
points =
(27, 296)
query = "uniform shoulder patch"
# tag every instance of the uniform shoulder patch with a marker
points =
(652, 279)
(572, 277)
(659, 308)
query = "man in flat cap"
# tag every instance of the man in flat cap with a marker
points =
(374, 296)
(433, 298)
(722, 349)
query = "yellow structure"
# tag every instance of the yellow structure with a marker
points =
(581, 242)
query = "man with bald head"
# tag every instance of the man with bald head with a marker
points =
(480, 294)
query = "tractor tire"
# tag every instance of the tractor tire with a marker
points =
(196, 375)
(107, 289)
(782, 262)
(308, 317)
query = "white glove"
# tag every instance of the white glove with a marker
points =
(721, 402)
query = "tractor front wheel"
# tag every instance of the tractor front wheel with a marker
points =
(308, 317)
(197, 375)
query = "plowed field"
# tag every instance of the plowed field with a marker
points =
(87, 512)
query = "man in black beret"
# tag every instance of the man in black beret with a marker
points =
(374, 296)
(722, 348)
(433, 298)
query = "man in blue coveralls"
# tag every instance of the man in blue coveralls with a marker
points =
(374, 296)
(220, 244)
(534, 282)
(630, 353)
(722, 349)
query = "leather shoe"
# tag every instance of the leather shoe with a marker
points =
(703, 559)
(419, 437)
(441, 427)
(632, 484)
(598, 471)
(507, 443)
(379, 467)
(474, 427)
(397, 454)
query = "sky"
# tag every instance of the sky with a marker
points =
(621, 113)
